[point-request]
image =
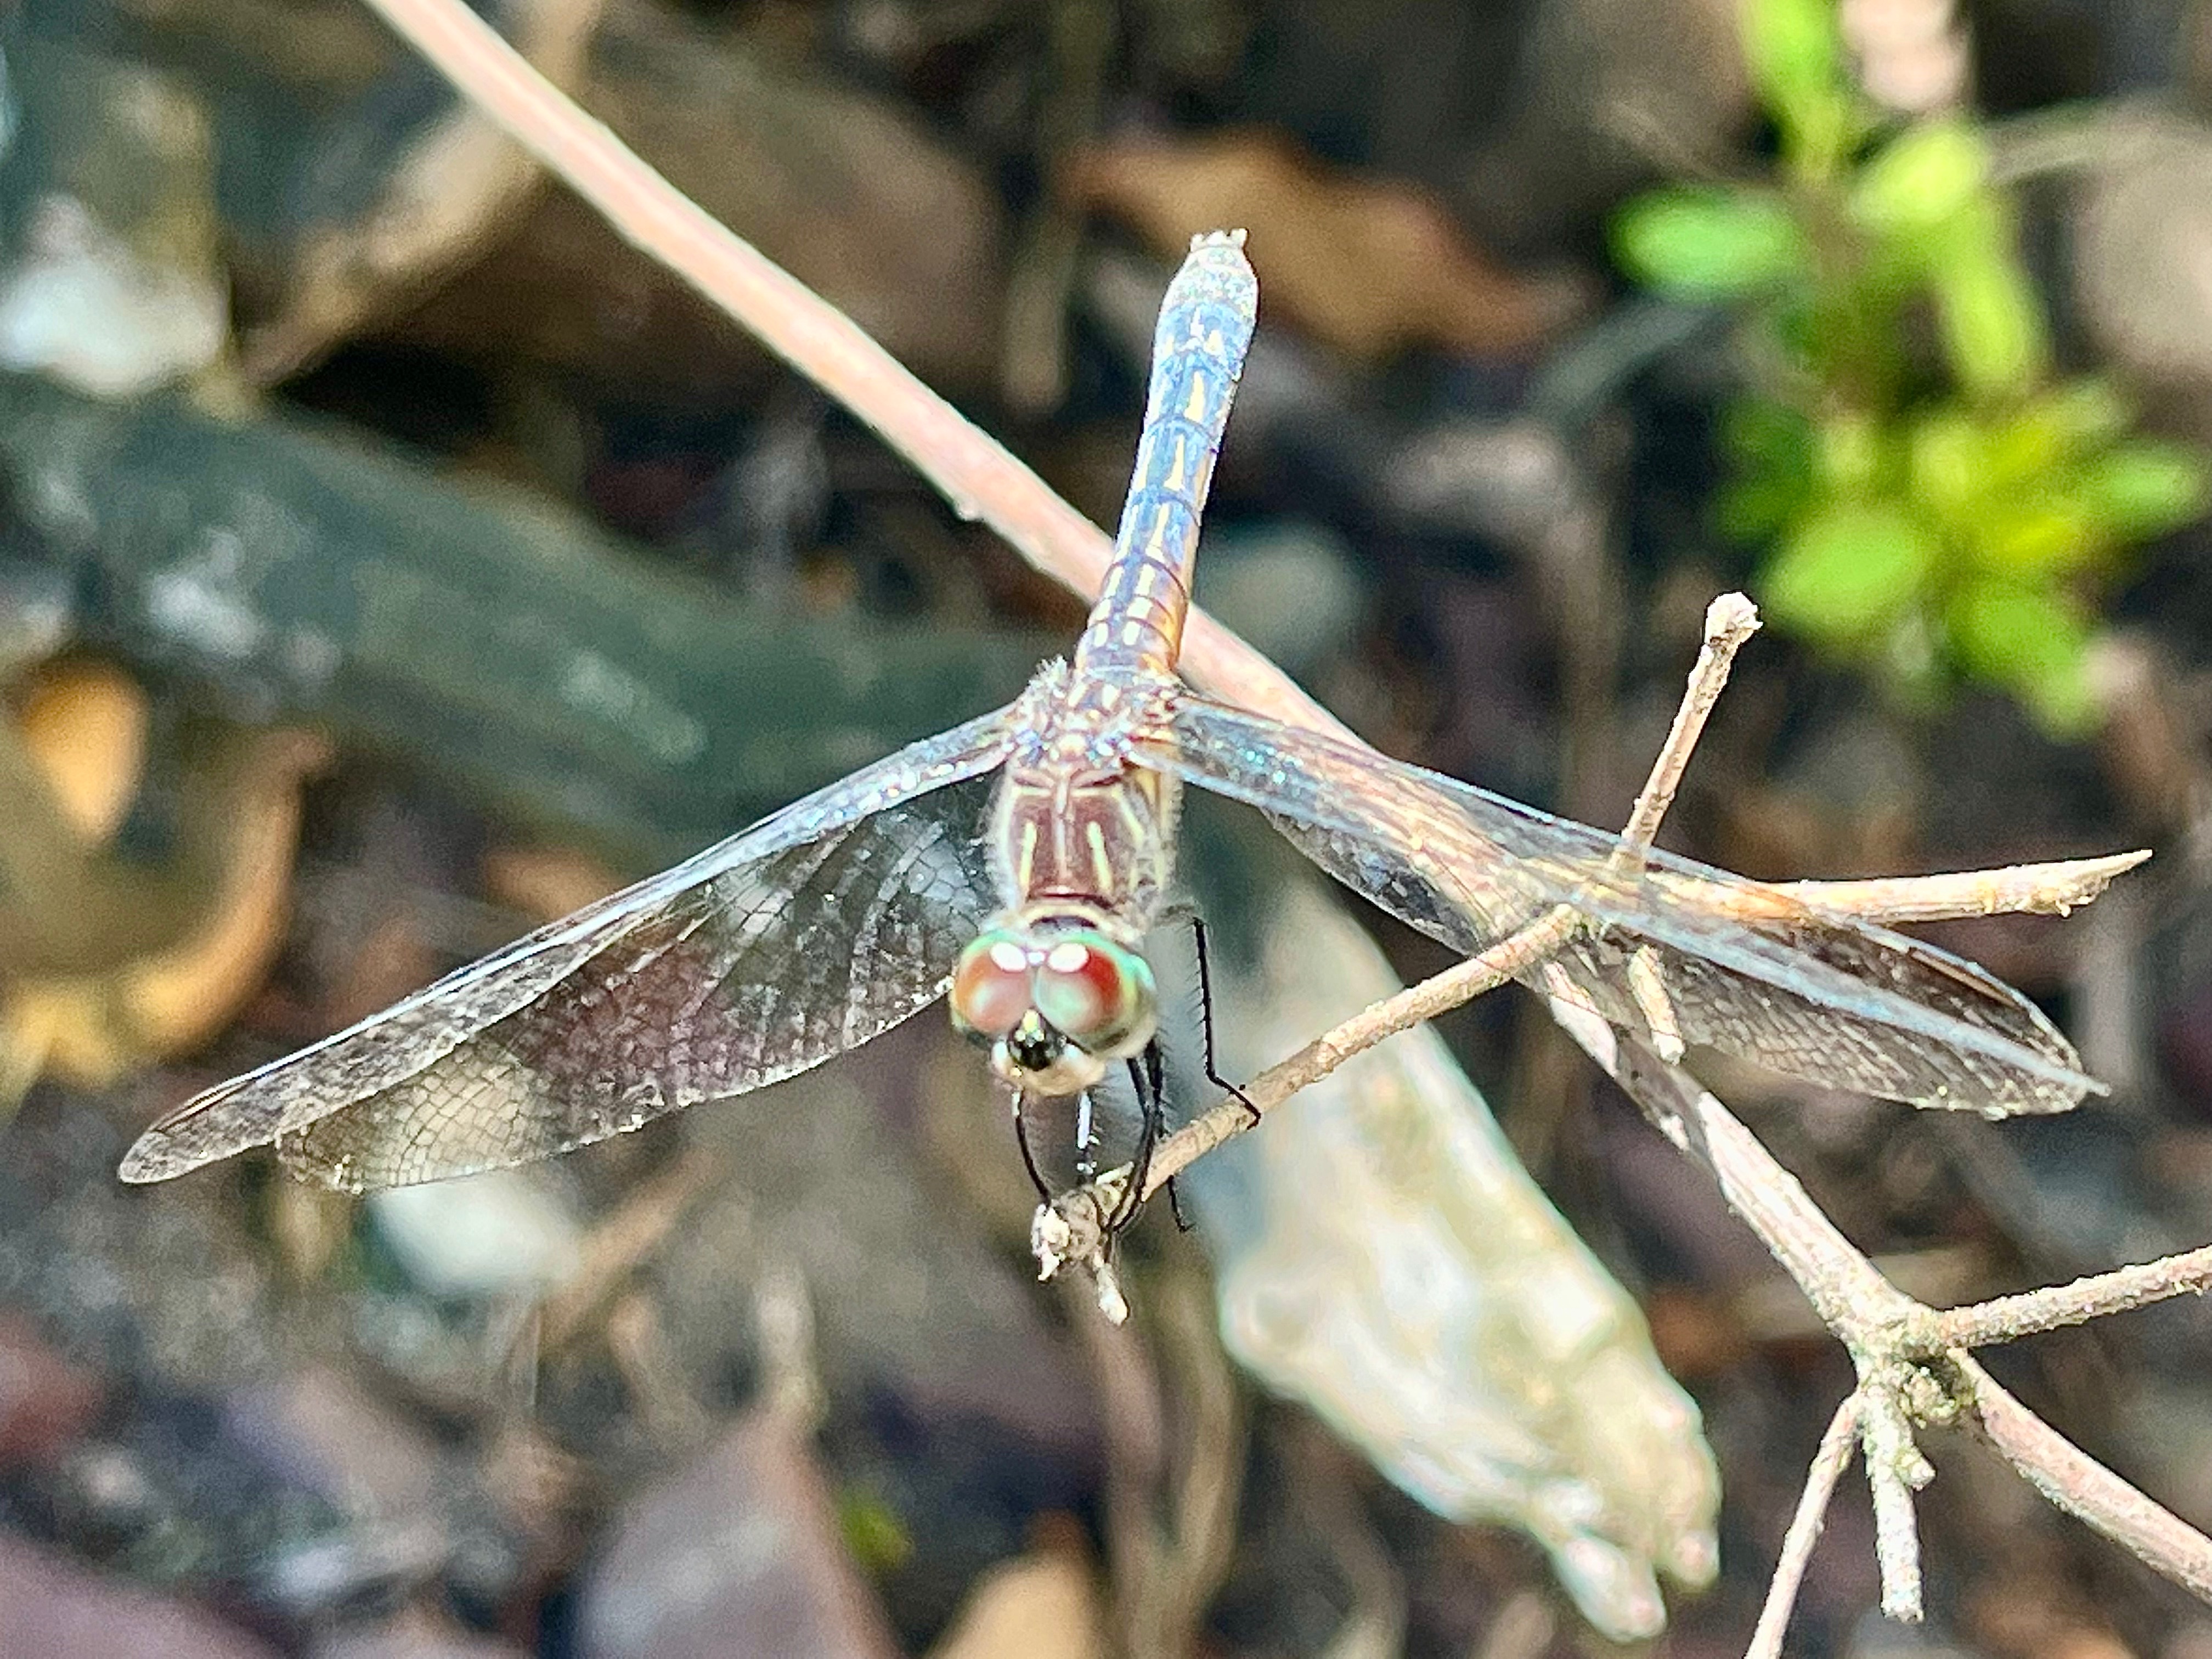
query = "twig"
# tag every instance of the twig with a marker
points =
(1445, 991)
(2043, 889)
(1896, 1468)
(2002, 1318)
(1805, 1528)
(1730, 620)
(2075, 1481)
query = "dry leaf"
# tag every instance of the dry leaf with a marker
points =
(179, 998)
(1369, 266)
(547, 883)
(82, 727)
(83, 724)
(1038, 1606)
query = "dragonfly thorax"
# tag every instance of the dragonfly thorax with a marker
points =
(1055, 998)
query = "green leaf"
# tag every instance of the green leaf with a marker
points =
(1848, 571)
(873, 1531)
(2031, 640)
(1794, 51)
(2041, 534)
(1709, 242)
(1921, 179)
(1771, 448)
(1992, 325)
(1852, 451)
(2144, 487)
(2087, 412)
(1947, 462)
(2025, 451)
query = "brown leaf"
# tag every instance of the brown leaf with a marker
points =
(1369, 266)
(83, 724)
(83, 728)
(1042, 1605)
(546, 883)
(179, 998)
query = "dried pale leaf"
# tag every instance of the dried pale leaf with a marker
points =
(1369, 265)
(545, 883)
(84, 725)
(1041, 1606)
(176, 999)
(1399, 1273)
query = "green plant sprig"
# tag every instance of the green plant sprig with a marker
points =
(1934, 502)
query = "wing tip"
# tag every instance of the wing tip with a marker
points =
(152, 1158)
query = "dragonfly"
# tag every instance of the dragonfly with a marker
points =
(1016, 864)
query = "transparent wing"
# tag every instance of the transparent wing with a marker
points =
(1740, 966)
(809, 933)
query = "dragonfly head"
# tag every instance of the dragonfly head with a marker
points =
(1056, 1000)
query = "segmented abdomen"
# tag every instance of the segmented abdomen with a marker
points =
(1205, 329)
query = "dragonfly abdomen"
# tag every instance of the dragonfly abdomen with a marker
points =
(1205, 329)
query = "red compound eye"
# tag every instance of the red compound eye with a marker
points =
(991, 986)
(1093, 992)
(1079, 990)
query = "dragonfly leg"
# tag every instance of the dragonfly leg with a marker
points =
(1147, 1075)
(1029, 1157)
(1174, 1206)
(1206, 1023)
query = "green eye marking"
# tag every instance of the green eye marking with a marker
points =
(1096, 993)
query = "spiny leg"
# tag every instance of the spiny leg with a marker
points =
(1147, 1076)
(1029, 1157)
(1155, 1126)
(1206, 1026)
(1175, 1207)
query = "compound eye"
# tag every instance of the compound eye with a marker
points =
(1099, 995)
(991, 986)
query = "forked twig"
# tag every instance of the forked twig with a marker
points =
(1910, 1371)
(1805, 1527)
(1729, 620)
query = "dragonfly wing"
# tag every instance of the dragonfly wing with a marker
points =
(809, 933)
(1737, 966)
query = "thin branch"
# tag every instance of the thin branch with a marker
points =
(1895, 1470)
(2076, 1482)
(2005, 1318)
(1805, 1527)
(2043, 889)
(1439, 994)
(1730, 620)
